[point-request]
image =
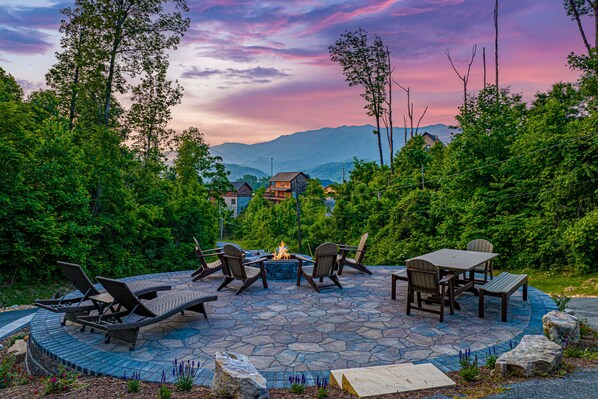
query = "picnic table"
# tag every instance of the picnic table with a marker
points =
(457, 262)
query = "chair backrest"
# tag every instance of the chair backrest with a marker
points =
(480, 245)
(325, 260)
(361, 248)
(422, 275)
(232, 262)
(75, 274)
(202, 258)
(122, 294)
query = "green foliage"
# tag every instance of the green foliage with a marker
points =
(133, 386)
(164, 392)
(65, 380)
(297, 389)
(469, 366)
(11, 374)
(561, 301)
(322, 393)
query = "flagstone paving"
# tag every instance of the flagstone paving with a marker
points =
(288, 329)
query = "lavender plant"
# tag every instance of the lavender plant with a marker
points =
(297, 383)
(491, 358)
(184, 374)
(469, 367)
(164, 392)
(133, 382)
(322, 384)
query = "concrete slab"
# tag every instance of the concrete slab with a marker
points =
(14, 326)
(336, 376)
(393, 379)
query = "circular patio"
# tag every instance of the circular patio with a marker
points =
(288, 329)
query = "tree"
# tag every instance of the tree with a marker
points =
(579, 8)
(9, 88)
(117, 39)
(465, 76)
(150, 113)
(364, 65)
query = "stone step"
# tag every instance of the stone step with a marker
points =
(383, 380)
(336, 376)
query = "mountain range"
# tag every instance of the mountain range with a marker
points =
(324, 153)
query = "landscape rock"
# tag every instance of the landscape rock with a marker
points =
(535, 354)
(19, 350)
(569, 311)
(235, 377)
(561, 327)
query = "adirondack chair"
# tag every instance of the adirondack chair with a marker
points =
(324, 265)
(481, 245)
(424, 277)
(357, 261)
(206, 268)
(235, 267)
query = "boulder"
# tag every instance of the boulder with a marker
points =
(561, 327)
(19, 349)
(235, 377)
(535, 354)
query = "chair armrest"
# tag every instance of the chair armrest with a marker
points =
(207, 252)
(259, 260)
(347, 247)
(446, 279)
(303, 259)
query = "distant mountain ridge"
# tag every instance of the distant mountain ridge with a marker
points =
(320, 153)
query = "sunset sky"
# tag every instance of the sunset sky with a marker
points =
(253, 70)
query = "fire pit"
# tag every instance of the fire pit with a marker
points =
(281, 265)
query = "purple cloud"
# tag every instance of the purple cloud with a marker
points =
(23, 41)
(250, 75)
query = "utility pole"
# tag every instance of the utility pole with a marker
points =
(423, 185)
(343, 174)
(298, 215)
(271, 166)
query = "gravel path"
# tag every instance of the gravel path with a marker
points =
(586, 308)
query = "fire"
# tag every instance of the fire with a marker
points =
(281, 253)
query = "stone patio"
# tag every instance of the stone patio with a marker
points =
(288, 329)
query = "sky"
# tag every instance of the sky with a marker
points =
(253, 70)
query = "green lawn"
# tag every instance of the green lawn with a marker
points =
(26, 294)
(568, 283)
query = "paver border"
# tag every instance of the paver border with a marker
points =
(53, 340)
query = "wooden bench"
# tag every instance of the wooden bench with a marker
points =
(503, 286)
(400, 275)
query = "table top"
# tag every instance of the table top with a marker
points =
(457, 260)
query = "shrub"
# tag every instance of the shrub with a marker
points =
(297, 384)
(491, 358)
(133, 383)
(184, 374)
(11, 374)
(561, 301)
(64, 381)
(469, 368)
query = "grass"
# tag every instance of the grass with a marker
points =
(26, 294)
(558, 282)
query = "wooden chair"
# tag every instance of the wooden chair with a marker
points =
(235, 267)
(206, 268)
(356, 262)
(481, 245)
(324, 265)
(424, 277)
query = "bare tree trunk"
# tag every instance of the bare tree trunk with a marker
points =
(580, 26)
(75, 84)
(496, 45)
(484, 60)
(594, 5)
(465, 77)
(389, 112)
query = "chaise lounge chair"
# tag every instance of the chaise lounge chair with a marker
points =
(91, 298)
(324, 265)
(124, 325)
(356, 262)
(206, 268)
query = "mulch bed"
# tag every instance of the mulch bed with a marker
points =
(105, 387)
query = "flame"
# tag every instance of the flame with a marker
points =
(282, 252)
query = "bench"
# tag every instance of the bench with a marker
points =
(503, 286)
(400, 275)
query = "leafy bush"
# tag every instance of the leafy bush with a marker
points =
(491, 358)
(322, 385)
(65, 380)
(164, 392)
(11, 374)
(561, 301)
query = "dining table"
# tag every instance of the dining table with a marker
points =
(459, 262)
